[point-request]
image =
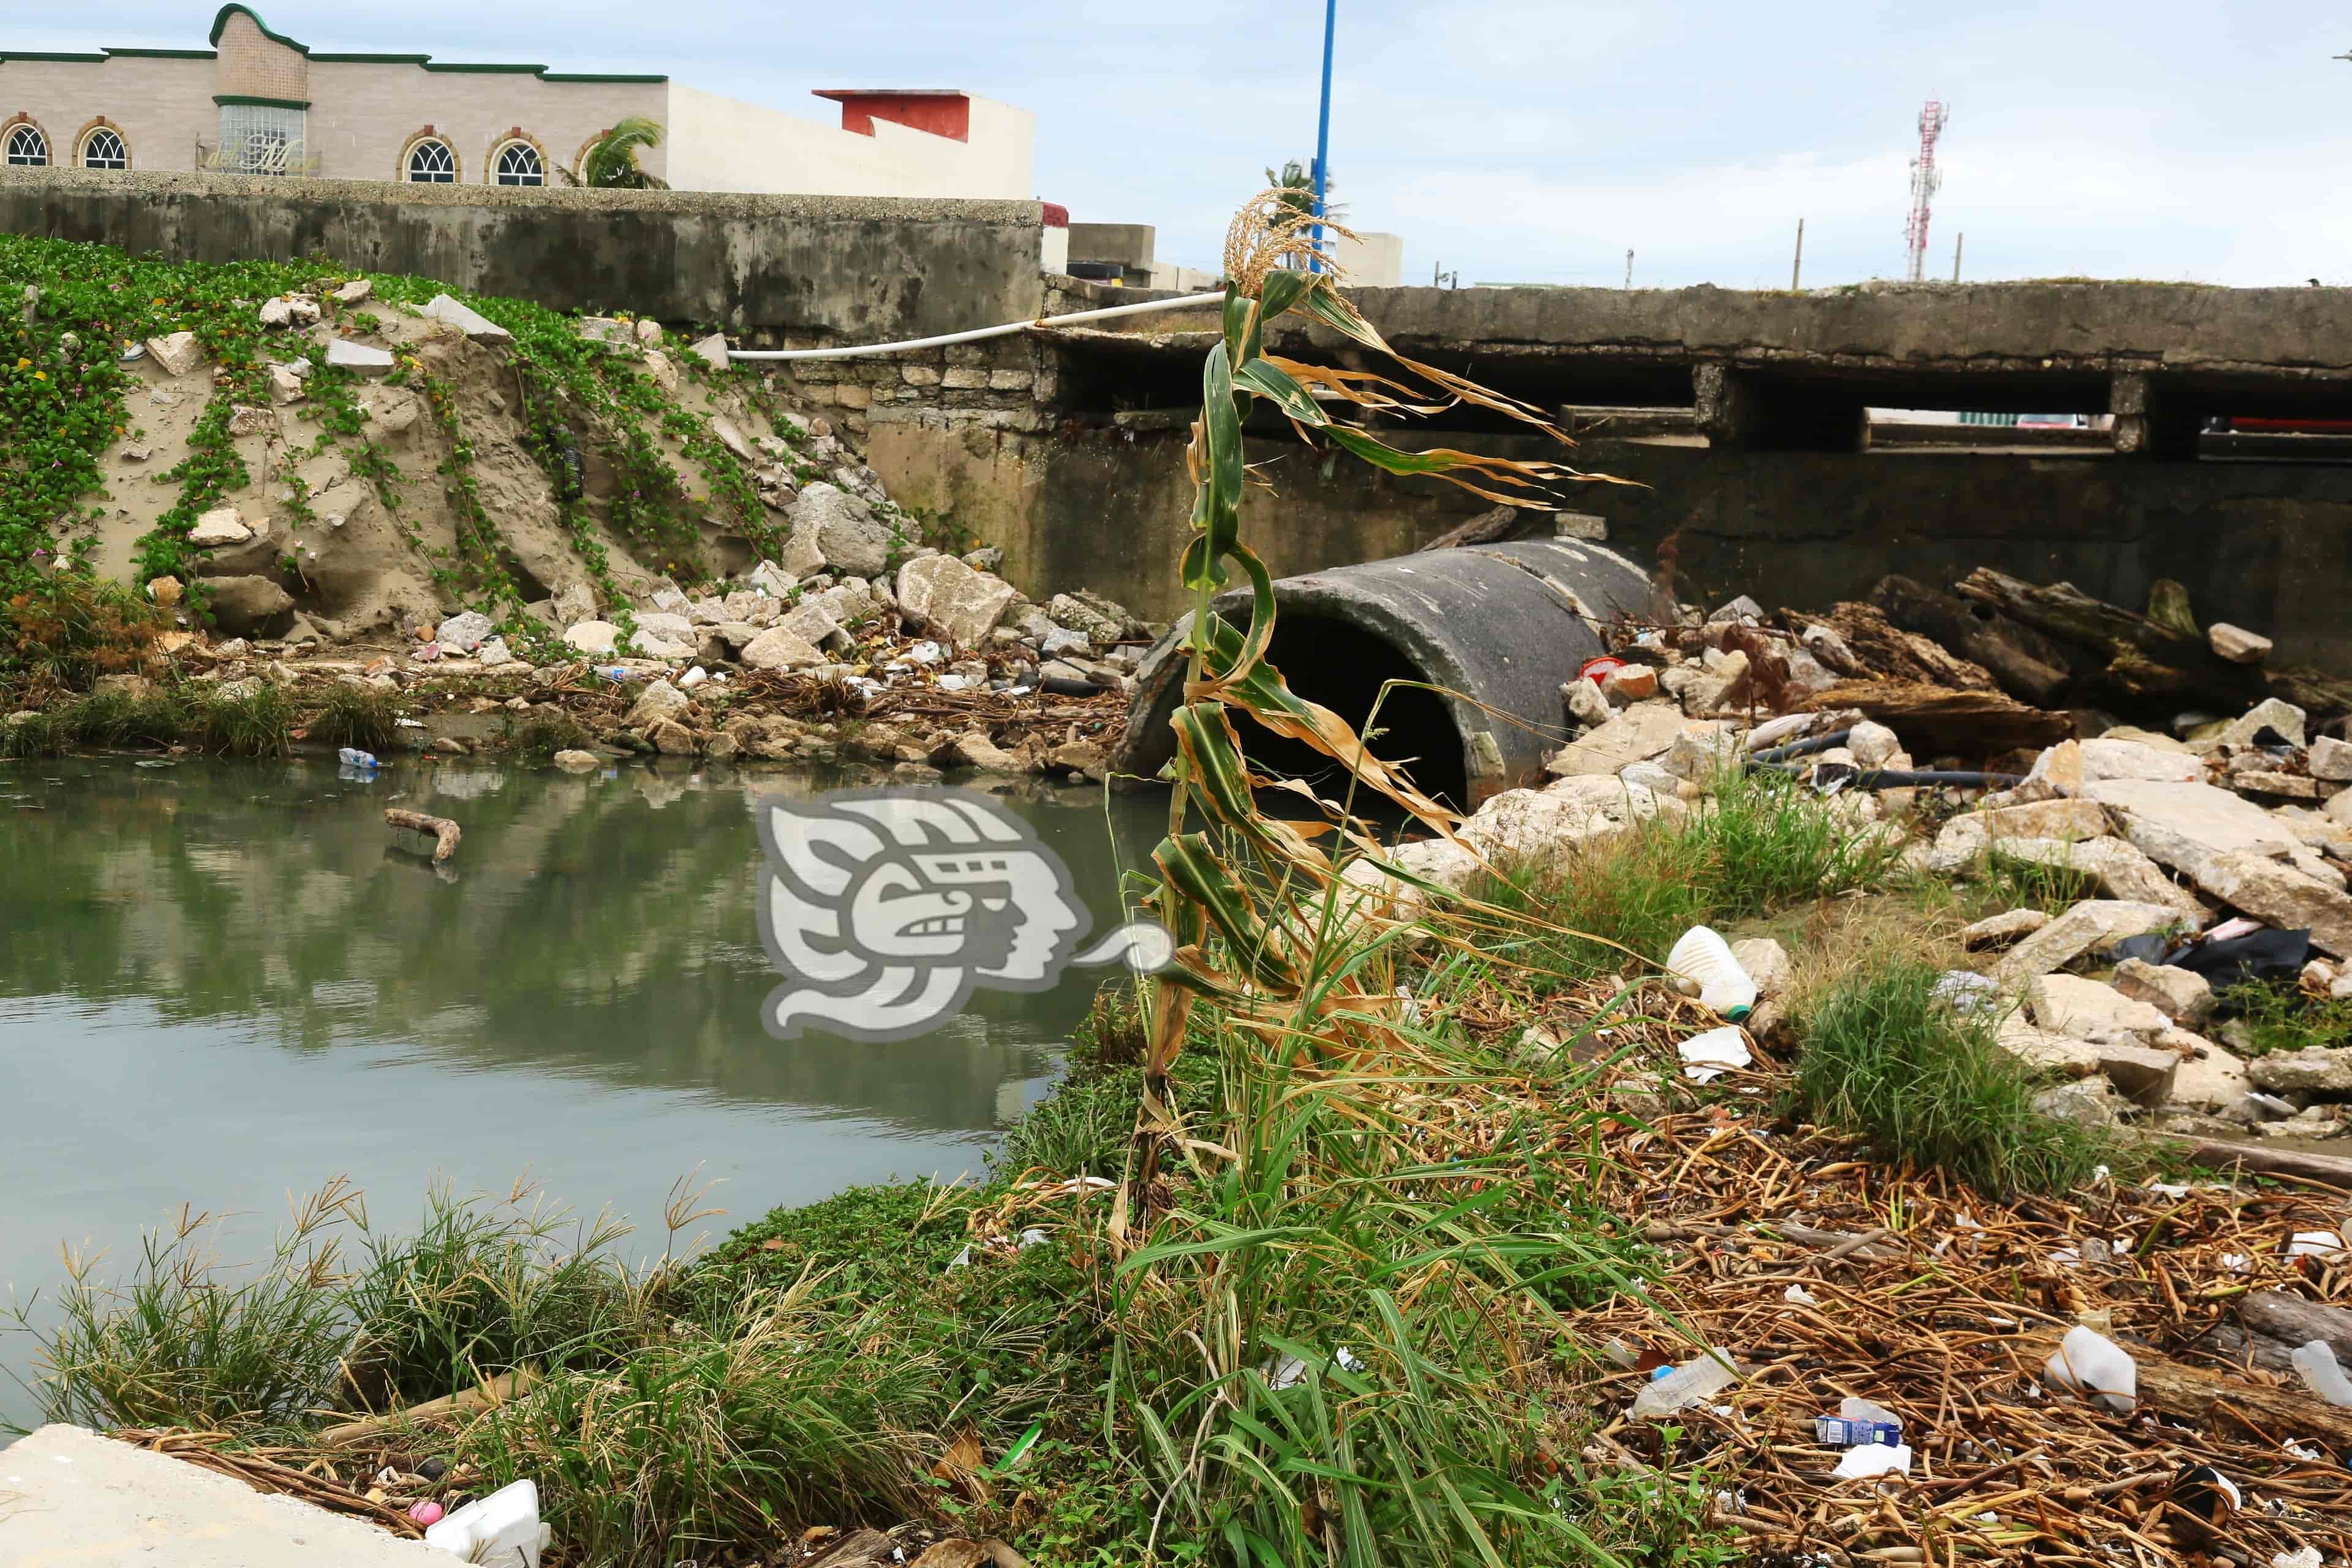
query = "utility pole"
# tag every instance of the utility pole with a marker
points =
(1797, 268)
(1323, 132)
(1629, 269)
(1957, 240)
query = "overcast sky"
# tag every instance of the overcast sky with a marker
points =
(1537, 140)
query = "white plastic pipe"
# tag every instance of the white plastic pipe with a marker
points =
(1006, 331)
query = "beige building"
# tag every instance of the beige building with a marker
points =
(258, 102)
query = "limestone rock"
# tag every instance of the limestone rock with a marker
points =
(2210, 1078)
(2270, 714)
(1583, 702)
(358, 291)
(249, 419)
(664, 627)
(1715, 689)
(2180, 995)
(662, 373)
(660, 700)
(2331, 760)
(595, 639)
(286, 385)
(962, 604)
(1872, 744)
(1999, 931)
(177, 354)
(2319, 1070)
(1965, 838)
(275, 314)
(222, 525)
(2046, 1051)
(672, 739)
(1629, 684)
(2089, 1101)
(1525, 826)
(2282, 896)
(2236, 644)
(731, 439)
(361, 358)
(1767, 964)
(2091, 1010)
(977, 751)
(1700, 751)
(607, 331)
(1639, 734)
(2092, 924)
(468, 629)
(811, 620)
(576, 761)
(247, 606)
(842, 530)
(2186, 825)
(712, 351)
(780, 649)
(2117, 869)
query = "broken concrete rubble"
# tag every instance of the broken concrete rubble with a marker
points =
(2091, 925)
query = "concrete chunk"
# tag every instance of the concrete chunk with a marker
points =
(2320, 1070)
(467, 320)
(961, 603)
(1999, 931)
(2270, 714)
(177, 354)
(1639, 734)
(2092, 924)
(2236, 644)
(222, 525)
(779, 648)
(345, 354)
(2180, 995)
(1964, 838)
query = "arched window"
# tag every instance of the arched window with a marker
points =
(27, 148)
(518, 163)
(105, 149)
(431, 162)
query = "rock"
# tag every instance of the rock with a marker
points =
(2331, 759)
(468, 630)
(1639, 734)
(779, 647)
(2044, 1051)
(1103, 622)
(2270, 714)
(772, 580)
(1629, 684)
(2180, 995)
(1872, 744)
(2091, 1010)
(2090, 925)
(248, 606)
(493, 653)
(1722, 687)
(1061, 642)
(721, 748)
(286, 385)
(595, 639)
(987, 558)
(1079, 757)
(2283, 786)
(1526, 827)
(177, 354)
(672, 739)
(344, 354)
(977, 751)
(2088, 1102)
(358, 291)
(841, 529)
(2236, 644)
(1741, 609)
(2186, 826)
(1966, 837)
(2210, 1078)
(1999, 931)
(2072, 765)
(811, 620)
(954, 600)
(2114, 867)
(1584, 703)
(658, 701)
(247, 419)
(1700, 751)
(664, 627)
(607, 331)
(664, 373)
(649, 331)
(275, 314)
(573, 762)
(222, 525)
(2281, 896)
(712, 351)
(731, 439)
(2318, 1071)
(1767, 963)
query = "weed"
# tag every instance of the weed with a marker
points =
(2015, 882)
(362, 716)
(539, 737)
(69, 630)
(1884, 1058)
(2280, 1016)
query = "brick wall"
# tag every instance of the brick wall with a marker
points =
(253, 65)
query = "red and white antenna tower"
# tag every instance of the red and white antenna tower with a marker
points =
(1925, 180)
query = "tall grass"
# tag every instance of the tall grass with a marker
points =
(258, 723)
(360, 716)
(1923, 1084)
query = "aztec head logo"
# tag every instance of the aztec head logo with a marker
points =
(884, 911)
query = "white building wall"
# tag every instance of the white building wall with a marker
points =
(1372, 260)
(161, 108)
(725, 144)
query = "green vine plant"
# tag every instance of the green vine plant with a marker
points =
(1304, 1008)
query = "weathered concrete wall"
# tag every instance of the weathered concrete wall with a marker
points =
(2264, 546)
(854, 268)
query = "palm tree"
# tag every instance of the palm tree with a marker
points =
(610, 161)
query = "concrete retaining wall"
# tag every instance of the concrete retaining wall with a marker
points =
(835, 267)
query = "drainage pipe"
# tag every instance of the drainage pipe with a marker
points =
(1500, 627)
(1183, 302)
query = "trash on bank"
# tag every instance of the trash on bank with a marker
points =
(1710, 1056)
(2090, 1363)
(1704, 961)
(1874, 1459)
(502, 1528)
(1693, 1383)
(2315, 1364)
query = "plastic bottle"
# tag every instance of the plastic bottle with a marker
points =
(502, 1528)
(2317, 1363)
(352, 757)
(1705, 959)
(2096, 1367)
(1693, 1383)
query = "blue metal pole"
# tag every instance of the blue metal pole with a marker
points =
(1323, 131)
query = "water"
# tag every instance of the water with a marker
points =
(223, 983)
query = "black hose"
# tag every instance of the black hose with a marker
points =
(1062, 686)
(1804, 748)
(1898, 778)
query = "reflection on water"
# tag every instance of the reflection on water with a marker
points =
(220, 982)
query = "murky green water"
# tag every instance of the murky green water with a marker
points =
(223, 984)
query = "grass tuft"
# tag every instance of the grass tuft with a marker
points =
(361, 716)
(2279, 1015)
(1885, 1059)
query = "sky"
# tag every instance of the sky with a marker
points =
(1521, 140)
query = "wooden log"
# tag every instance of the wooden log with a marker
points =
(2142, 657)
(464, 1402)
(2293, 1322)
(1890, 653)
(444, 832)
(2214, 1153)
(1488, 527)
(2026, 664)
(2317, 692)
(2194, 1393)
(1935, 720)
(2167, 606)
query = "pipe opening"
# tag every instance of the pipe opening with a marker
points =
(1342, 666)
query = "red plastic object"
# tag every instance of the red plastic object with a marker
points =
(1597, 670)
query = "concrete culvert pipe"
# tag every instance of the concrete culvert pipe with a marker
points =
(1504, 625)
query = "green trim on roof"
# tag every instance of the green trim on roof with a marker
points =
(593, 76)
(167, 54)
(221, 21)
(489, 69)
(262, 103)
(34, 55)
(370, 59)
